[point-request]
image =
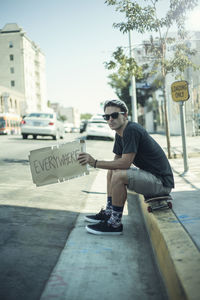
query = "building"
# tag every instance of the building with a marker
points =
(71, 114)
(22, 70)
(10, 101)
(154, 111)
(192, 105)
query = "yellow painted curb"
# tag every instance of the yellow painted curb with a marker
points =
(178, 257)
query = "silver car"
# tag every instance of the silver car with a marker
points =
(97, 127)
(42, 124)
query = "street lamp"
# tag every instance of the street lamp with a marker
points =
(133, 87)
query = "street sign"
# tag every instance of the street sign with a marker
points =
(180, 91)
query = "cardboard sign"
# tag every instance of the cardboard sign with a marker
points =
(57, 163)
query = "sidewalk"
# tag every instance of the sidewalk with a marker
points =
(187, 186)
(106, 267)
(93, 267)
(175, 234)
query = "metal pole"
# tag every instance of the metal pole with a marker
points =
(133, 87)
(192, 101)
(183, 132)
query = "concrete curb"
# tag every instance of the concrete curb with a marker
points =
(177, 256)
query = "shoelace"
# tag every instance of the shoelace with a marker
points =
(102, 212)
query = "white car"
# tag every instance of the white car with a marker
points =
(68, 127)
(42, 124)
(98, 127)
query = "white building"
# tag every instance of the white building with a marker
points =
(192, 106)
(10, 101)
(71, 114)
(22, 68)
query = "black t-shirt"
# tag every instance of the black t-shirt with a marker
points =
(149, 155)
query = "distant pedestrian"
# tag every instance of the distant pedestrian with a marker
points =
(150, 174)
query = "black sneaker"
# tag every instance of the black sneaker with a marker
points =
(104, 228)
(101, 216)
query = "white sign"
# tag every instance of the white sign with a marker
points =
(57, 163)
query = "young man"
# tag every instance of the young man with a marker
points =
(150, 176)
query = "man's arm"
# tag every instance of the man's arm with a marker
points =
(120, 162)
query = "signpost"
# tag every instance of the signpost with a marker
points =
(180, 93)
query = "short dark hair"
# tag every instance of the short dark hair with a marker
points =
(118, 103)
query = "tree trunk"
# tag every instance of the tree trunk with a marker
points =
(167, 130)
(165, 101)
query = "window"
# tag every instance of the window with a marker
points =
(2, 123)
(11, 57)
(12, 83)
(12, 70)
(10, 44)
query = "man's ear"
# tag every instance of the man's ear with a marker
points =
(126, 115)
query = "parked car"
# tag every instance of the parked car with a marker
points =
(42, 124)
(83, 126)
(97, 127)
(68, 127)
(75, 129)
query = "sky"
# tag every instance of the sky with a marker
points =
(77, 37)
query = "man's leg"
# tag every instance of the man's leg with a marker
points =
(109, 193)
(119, 195)
(103, 214)
(145, 183)
(116, 188)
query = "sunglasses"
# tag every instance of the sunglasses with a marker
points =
(114, 115)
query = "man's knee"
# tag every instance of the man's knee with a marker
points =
(119, 176)
(109, 175)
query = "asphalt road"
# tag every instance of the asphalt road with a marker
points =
(35, 222)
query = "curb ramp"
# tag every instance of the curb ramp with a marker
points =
(177, 256)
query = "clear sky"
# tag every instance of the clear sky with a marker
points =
(77, 37)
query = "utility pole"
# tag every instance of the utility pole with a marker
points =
(180, 93)
(183, 133)
(133, 87)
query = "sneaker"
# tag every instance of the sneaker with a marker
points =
(101, 216)
(104, 228)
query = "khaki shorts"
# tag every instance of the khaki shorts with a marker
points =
(145, 183)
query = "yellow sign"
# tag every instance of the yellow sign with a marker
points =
(180, 91)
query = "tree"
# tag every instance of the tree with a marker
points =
(145, 19)
(86, 116)
(62, 118)
(124, 68)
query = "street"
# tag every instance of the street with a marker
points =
(35, 222)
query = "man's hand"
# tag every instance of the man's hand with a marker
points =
(85, 158)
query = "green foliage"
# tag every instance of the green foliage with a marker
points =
(124, 68)
(142, 16)
(145, 19)
(62, 118)
(86, 116)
